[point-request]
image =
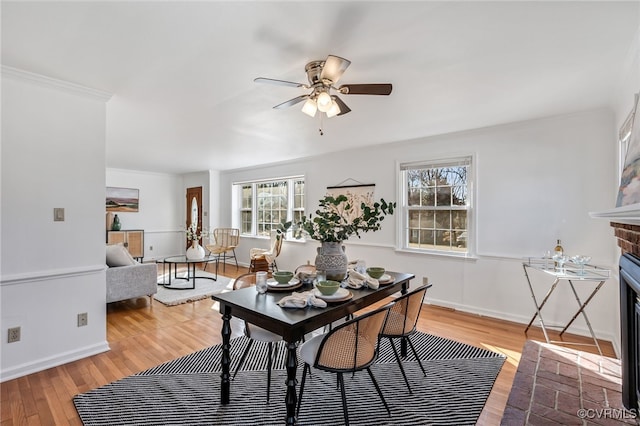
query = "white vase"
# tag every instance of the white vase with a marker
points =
(195, 251)
(332, 259)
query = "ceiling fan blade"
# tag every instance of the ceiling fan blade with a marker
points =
(333, 68)
(279, 82)
(343, 107)
(291, 102)
(365, 89)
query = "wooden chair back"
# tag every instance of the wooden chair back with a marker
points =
(353, 345)
(404, 313)
(227, 237)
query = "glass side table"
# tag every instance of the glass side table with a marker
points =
(571, 273)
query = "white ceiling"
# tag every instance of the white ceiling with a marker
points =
(181, 73)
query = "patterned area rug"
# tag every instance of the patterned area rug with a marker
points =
(204, 288)
(186, 391)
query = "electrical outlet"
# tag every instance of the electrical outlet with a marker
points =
(14, 335)
(58, 214)
(82, 319)
(150, 248)
(425, 280)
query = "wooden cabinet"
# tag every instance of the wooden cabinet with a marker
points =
(132, 239)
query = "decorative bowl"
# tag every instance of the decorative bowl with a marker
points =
(375, 272)
(328, 287)
(283, 277)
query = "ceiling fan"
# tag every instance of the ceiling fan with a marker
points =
(323, 76)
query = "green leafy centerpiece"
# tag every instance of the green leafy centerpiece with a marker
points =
(335, 221)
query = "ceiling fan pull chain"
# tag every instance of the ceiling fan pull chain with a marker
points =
(320, 129)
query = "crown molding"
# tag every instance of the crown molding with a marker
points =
(55, 83)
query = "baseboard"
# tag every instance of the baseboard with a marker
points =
(54, 361)
(521, 319)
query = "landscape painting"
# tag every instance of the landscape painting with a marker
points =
(629, 192)
(122, 199)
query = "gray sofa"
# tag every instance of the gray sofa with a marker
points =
(127, 282)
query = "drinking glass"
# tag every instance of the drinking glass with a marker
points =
(560, 261)
(361, 266)
(581, 260)
(261, 282)
(321, 275)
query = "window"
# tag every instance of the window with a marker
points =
(265, 204)
(436, 206)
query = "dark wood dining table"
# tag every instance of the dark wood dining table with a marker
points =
(290, 323)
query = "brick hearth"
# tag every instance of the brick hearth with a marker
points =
(558, 385)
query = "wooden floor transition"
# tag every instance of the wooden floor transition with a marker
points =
(142, 335)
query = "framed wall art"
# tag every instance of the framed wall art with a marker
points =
(356, 193)
(629, 191)
(122, 199)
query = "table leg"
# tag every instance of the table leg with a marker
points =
(291, 398)
(403, 341)
(584, 314)
(539, 307)
(225, 376)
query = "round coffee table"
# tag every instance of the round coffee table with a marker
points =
(173, 263)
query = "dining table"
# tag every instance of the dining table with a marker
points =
(292, 324)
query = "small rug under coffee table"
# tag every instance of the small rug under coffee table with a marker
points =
(204, 287)
(186, 391)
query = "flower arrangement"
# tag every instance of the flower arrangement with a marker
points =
(336, 220)
(192, 233)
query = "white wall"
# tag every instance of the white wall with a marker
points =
(53, 154)
(162, 208)
(536, 182)
(160, 213)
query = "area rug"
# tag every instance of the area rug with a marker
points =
(186, 391)
(204, 288)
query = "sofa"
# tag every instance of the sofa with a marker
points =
(127, 278)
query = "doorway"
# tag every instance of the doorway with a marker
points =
(194, 209)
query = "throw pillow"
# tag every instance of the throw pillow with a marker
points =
(118, 255)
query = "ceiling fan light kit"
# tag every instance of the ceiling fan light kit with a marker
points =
(322, 76)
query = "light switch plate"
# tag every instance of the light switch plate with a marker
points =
(58, 214)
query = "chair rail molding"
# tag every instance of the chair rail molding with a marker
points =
(6, 280)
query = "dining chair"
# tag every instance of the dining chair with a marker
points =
(225, 241)
(402, 321)
(305, 272)
(265, 259)
(255, 333)
(347, 348)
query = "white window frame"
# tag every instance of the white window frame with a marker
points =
(238, 208)
(403, 209)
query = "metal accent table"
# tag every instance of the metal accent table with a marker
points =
(191, 270)
(570, 273)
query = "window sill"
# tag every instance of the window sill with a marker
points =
(434, 253)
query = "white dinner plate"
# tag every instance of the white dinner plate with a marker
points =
(385, 278)
(340, 295)
(271, 282)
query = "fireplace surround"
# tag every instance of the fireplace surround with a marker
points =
(630, 329)
(628, 235)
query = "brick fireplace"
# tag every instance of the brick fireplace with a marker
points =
(628, 237)
(629, 242)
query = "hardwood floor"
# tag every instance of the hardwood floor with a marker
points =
(142, 335)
